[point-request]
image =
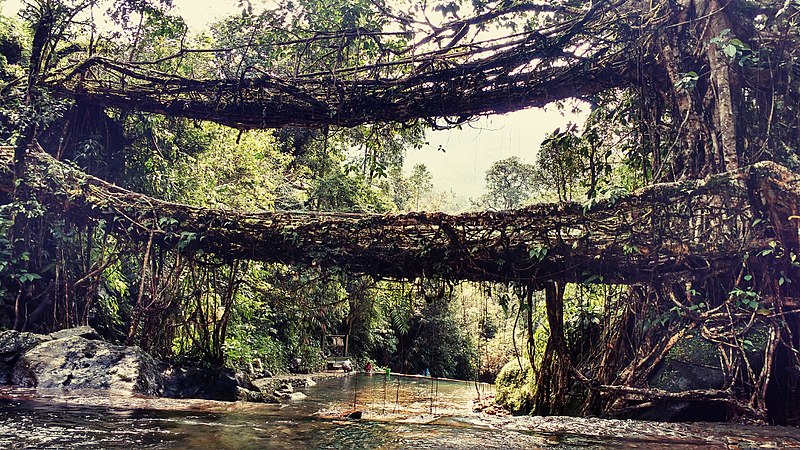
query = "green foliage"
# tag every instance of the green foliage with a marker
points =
(438, 342)
(420, 184)
(245, 173)
(417, 192)
(254, 38)
(559, 163)
(13, 48)
(515, 386)
(688, 82)
(585, 315)
(112, 302)
(347, 192)
(412, 193)
(253, 337)
(379, 148)
(15, 274)
(282, 314)
(509, 183)
(538, 252)
(148, 32)
(17, 115)
(732, 47)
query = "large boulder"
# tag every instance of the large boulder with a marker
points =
(210, 383)
(79, 363)
(200, 382)
(78, 358)
(86, 332)
(515, 386)
(695, 363)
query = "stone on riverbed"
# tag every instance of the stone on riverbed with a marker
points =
(79, 363)
(286, 392)
(285, 395)
(210, 384)
(84, 332)
(12, 345)
(247, 395)
(78, 359)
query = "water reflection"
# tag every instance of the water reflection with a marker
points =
(41, 419)
(398, 397)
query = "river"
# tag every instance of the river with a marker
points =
(399, 413)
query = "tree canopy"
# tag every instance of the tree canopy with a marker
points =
(694, 103)
(699, 70)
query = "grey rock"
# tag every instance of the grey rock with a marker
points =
(12, 345)
(85, 332)
(297, 396)
(694, 363)
(210, 383)
(282, 395)
(78, 363)
(244, 380)
(247, 395)
(265, 384)
(286, 395)
(77, 359)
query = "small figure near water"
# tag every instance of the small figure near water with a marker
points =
(347, 366)
(368, 368)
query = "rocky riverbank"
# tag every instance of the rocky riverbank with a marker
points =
(283, 386)
(78, 359)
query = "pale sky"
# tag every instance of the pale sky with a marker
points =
(469, 152)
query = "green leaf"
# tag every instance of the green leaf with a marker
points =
(537, 252)
(688, 81)
(26, 277)
(748, 277)
(187, 237)
(630, 249)
(741, 46)
(593, 278)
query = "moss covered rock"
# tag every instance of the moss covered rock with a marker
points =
(695, 363)
(515, 386)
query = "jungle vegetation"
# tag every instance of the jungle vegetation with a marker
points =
(258, 202)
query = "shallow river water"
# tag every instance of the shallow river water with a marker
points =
(399, 413)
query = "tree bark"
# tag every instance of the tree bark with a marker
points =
(650, 234)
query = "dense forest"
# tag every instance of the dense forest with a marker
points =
(236, 196)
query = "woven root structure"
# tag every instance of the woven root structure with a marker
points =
(723, 235)
(698, 228)
(418, 81)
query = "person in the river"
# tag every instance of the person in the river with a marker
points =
(368, 368)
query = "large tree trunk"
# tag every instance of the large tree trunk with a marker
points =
(703, 90)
